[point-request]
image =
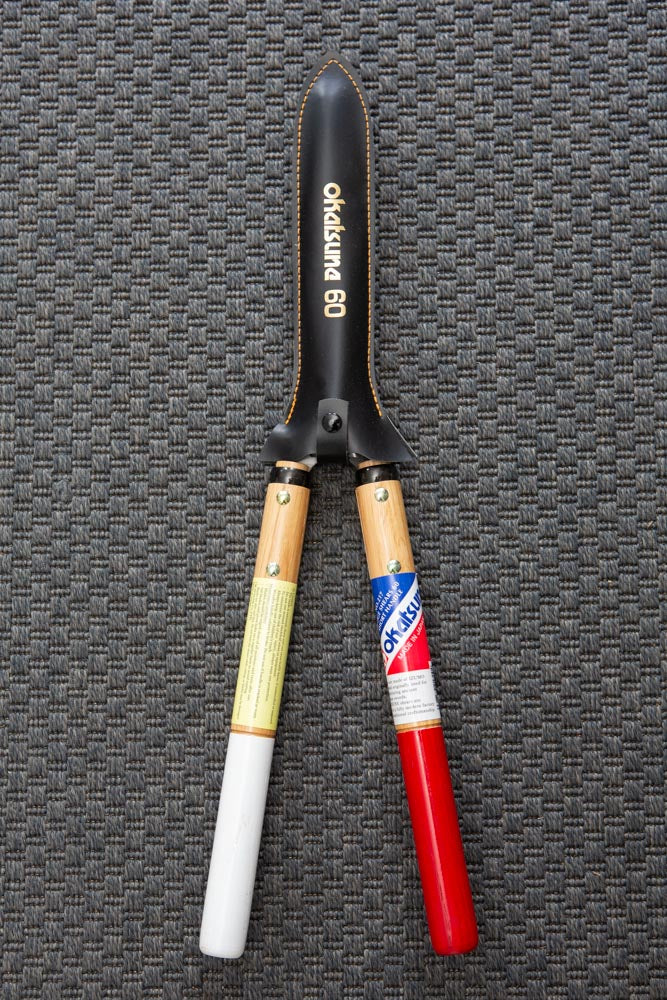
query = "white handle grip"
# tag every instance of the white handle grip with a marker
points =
(238, 830)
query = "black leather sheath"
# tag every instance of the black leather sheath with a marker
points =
(335, 412)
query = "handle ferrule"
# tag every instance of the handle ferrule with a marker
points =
(447, 897)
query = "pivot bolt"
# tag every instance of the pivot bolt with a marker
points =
(393, 566)
(332, 422)
(283, 497)
(273, 569)
(381, 494)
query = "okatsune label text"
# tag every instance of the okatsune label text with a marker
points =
(263, 656)
(405, 650)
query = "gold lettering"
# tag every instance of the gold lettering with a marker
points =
(334, 298)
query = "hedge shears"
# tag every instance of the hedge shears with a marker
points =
(335, 414)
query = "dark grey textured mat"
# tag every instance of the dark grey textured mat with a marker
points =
(146, 347)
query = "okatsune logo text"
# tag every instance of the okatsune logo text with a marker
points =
(405, 617)
(400, 618)
(334, 298)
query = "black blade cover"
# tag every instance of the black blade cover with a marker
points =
(335, 412)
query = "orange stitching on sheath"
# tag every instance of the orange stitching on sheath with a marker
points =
(298, 232)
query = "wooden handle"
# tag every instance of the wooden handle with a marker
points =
(283, 527)
(245, 780)
(447, 897)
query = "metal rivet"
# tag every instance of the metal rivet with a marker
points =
(283, 497)
(381, 494)
(273, 569)
(393, 566)
(332, 422)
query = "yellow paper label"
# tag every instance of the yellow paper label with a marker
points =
(263, 656)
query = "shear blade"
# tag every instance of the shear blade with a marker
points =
(335, 411)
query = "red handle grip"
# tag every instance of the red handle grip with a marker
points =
(449, 907)
(447, 896)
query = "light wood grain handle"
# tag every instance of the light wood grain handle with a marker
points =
(283, 526)
(245, 780)
(447, 897)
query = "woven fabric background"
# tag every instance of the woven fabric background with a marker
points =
(146, 325)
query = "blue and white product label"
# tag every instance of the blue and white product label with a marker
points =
(405, 650)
